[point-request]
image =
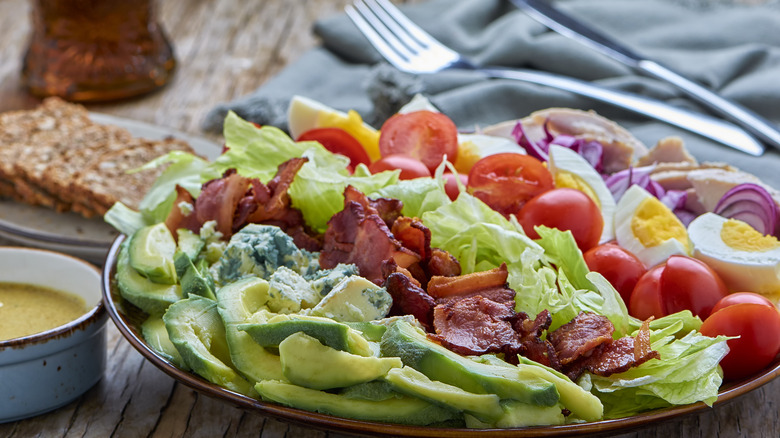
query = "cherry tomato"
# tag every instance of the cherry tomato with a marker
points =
(424, 135)
(682, 283)
(507, 181)
(564, 209)
(758, 328)
(410, 168)
(621, 268)
(741, 297)
(451, 184)
(338, 141)
(688, 283)
(645, 299)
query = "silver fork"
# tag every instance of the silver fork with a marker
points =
(409, 48)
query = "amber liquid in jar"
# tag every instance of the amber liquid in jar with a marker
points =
(96, 50)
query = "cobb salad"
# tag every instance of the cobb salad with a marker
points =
(546, 271)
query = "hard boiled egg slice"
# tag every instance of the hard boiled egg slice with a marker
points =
(746, 260)
(305, 114)
(570, 169)
(647, 228)
(474, 147)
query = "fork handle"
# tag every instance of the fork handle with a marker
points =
(702, 124)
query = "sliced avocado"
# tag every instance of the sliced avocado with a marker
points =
(354, 299)
(328, 332)
(189, 243)
(244, 302)
(188, 247)
(196, 330)
(147, 295)
(409, 381)
(519, 414)
(375, 390)
(372, 332)
(417, 351)
(402, 409)
(306, 362)
(198, 281)
(580, 402)
(156, 336)
(151, 253)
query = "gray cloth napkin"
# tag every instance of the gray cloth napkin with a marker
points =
(733, 49)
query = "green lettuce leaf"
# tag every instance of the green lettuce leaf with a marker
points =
(319, 192)
(688, 372)
(478, 236)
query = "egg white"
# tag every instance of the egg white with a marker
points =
(624, 213)
(565, 159)
(743, 271)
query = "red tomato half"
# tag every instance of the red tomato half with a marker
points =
(507, 181)
(621, 268)
(645, 300)
(688, 283)
(451, 185)
(758, 328)
(423, 135)
(338, 141)
(410, 168)
(741, 297)
(564, 209)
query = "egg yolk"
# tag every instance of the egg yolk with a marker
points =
(654, 223)
(741, 236)
(468, 154)
(564, 179)
(353, 124)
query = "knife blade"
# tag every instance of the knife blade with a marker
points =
(568, 26)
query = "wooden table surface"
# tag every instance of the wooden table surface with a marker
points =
(226, 49)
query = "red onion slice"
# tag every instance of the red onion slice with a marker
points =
(750, 203)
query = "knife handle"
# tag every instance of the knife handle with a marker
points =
(702, 124)
(750, 121)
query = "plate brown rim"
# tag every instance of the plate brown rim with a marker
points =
(328, 422)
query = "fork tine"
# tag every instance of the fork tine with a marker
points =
(371, 30)
(409, 26)
(399, 30)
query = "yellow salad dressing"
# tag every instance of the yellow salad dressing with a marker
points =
(26, 309)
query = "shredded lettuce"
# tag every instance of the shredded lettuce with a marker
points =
(478, 236)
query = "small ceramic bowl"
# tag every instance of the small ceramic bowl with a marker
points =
(44, 371)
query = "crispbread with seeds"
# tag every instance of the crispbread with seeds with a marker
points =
(107, 180)
(56, 156)
(66, 159)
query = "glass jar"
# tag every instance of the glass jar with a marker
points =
(96, 50)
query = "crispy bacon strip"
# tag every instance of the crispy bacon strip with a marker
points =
(533, 346)
(440, 287)
(357, 236)
(580, 336)
(273, 202)
(219, 199)
(443, 264)
(413, 235)
(176, 218)
(388, 209)
(475, 325)
(409, 299)
(234, 201)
